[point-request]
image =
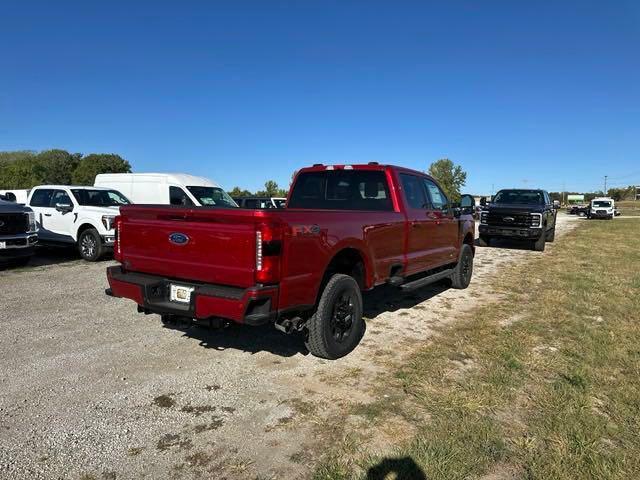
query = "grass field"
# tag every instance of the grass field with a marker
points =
(542, 385)
(629, 208)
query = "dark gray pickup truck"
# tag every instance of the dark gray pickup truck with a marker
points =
(18, 233)
(519, 214)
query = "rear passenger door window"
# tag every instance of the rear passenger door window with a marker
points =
(342, 190)
(414, 192)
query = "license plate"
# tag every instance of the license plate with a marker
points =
(3, 245)
(180, 293)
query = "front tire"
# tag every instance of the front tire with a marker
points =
(539, 244)
(336, 327)
(484, 241)
(90, 245)
(461, 276)
(551, 235)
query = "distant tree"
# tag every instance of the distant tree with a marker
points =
(450, 177)
(96, 163)
(282, 192)
(8, 157)
(555, 196)
(238, 192)
(591, 195)
(26, 169)
(58, 166)
(271, 189)
(22, 172)
(624, 193)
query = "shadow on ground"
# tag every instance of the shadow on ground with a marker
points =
(509, 244)
(241, 337)
(386, 298)
(267, 338)
(404, 468)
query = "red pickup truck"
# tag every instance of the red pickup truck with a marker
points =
(346, 228)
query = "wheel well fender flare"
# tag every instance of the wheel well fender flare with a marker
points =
(84, 225)
(349, 259)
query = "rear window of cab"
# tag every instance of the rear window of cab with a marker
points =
(342, 190)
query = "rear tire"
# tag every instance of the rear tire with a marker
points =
(484, 241)
(336, 327)
(461, 276)
(538, 245)
(90, 245)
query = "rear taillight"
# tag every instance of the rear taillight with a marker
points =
(268, 247)
(117, 242)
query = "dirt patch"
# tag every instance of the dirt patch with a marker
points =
(171, 440)
(164, 401)
(197, 410)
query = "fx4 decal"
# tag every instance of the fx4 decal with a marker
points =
(302, 230)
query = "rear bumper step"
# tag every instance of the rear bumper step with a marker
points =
(253, 306)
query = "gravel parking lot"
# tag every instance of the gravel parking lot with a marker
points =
(91, 389)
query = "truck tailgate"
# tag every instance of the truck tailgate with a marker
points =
(197, 244)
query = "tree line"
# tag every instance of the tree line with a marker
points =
(618, 194)
(27, 168)
(271, 189)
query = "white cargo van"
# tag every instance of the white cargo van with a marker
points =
(602, 207)
(166, 189)
(16, 196)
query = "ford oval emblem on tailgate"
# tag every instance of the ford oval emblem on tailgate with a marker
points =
(178, 238)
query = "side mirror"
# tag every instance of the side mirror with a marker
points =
(64, 207)
(467, 205)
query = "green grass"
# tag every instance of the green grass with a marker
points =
(554, 394)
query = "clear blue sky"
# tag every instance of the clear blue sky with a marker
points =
(518, 93)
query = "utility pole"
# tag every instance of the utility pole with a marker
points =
(605, 185)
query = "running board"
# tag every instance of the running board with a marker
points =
(421, 282)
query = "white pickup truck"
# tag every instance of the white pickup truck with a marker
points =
(80, 216)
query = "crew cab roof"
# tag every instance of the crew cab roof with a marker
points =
(521, 190)
(360, 166)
